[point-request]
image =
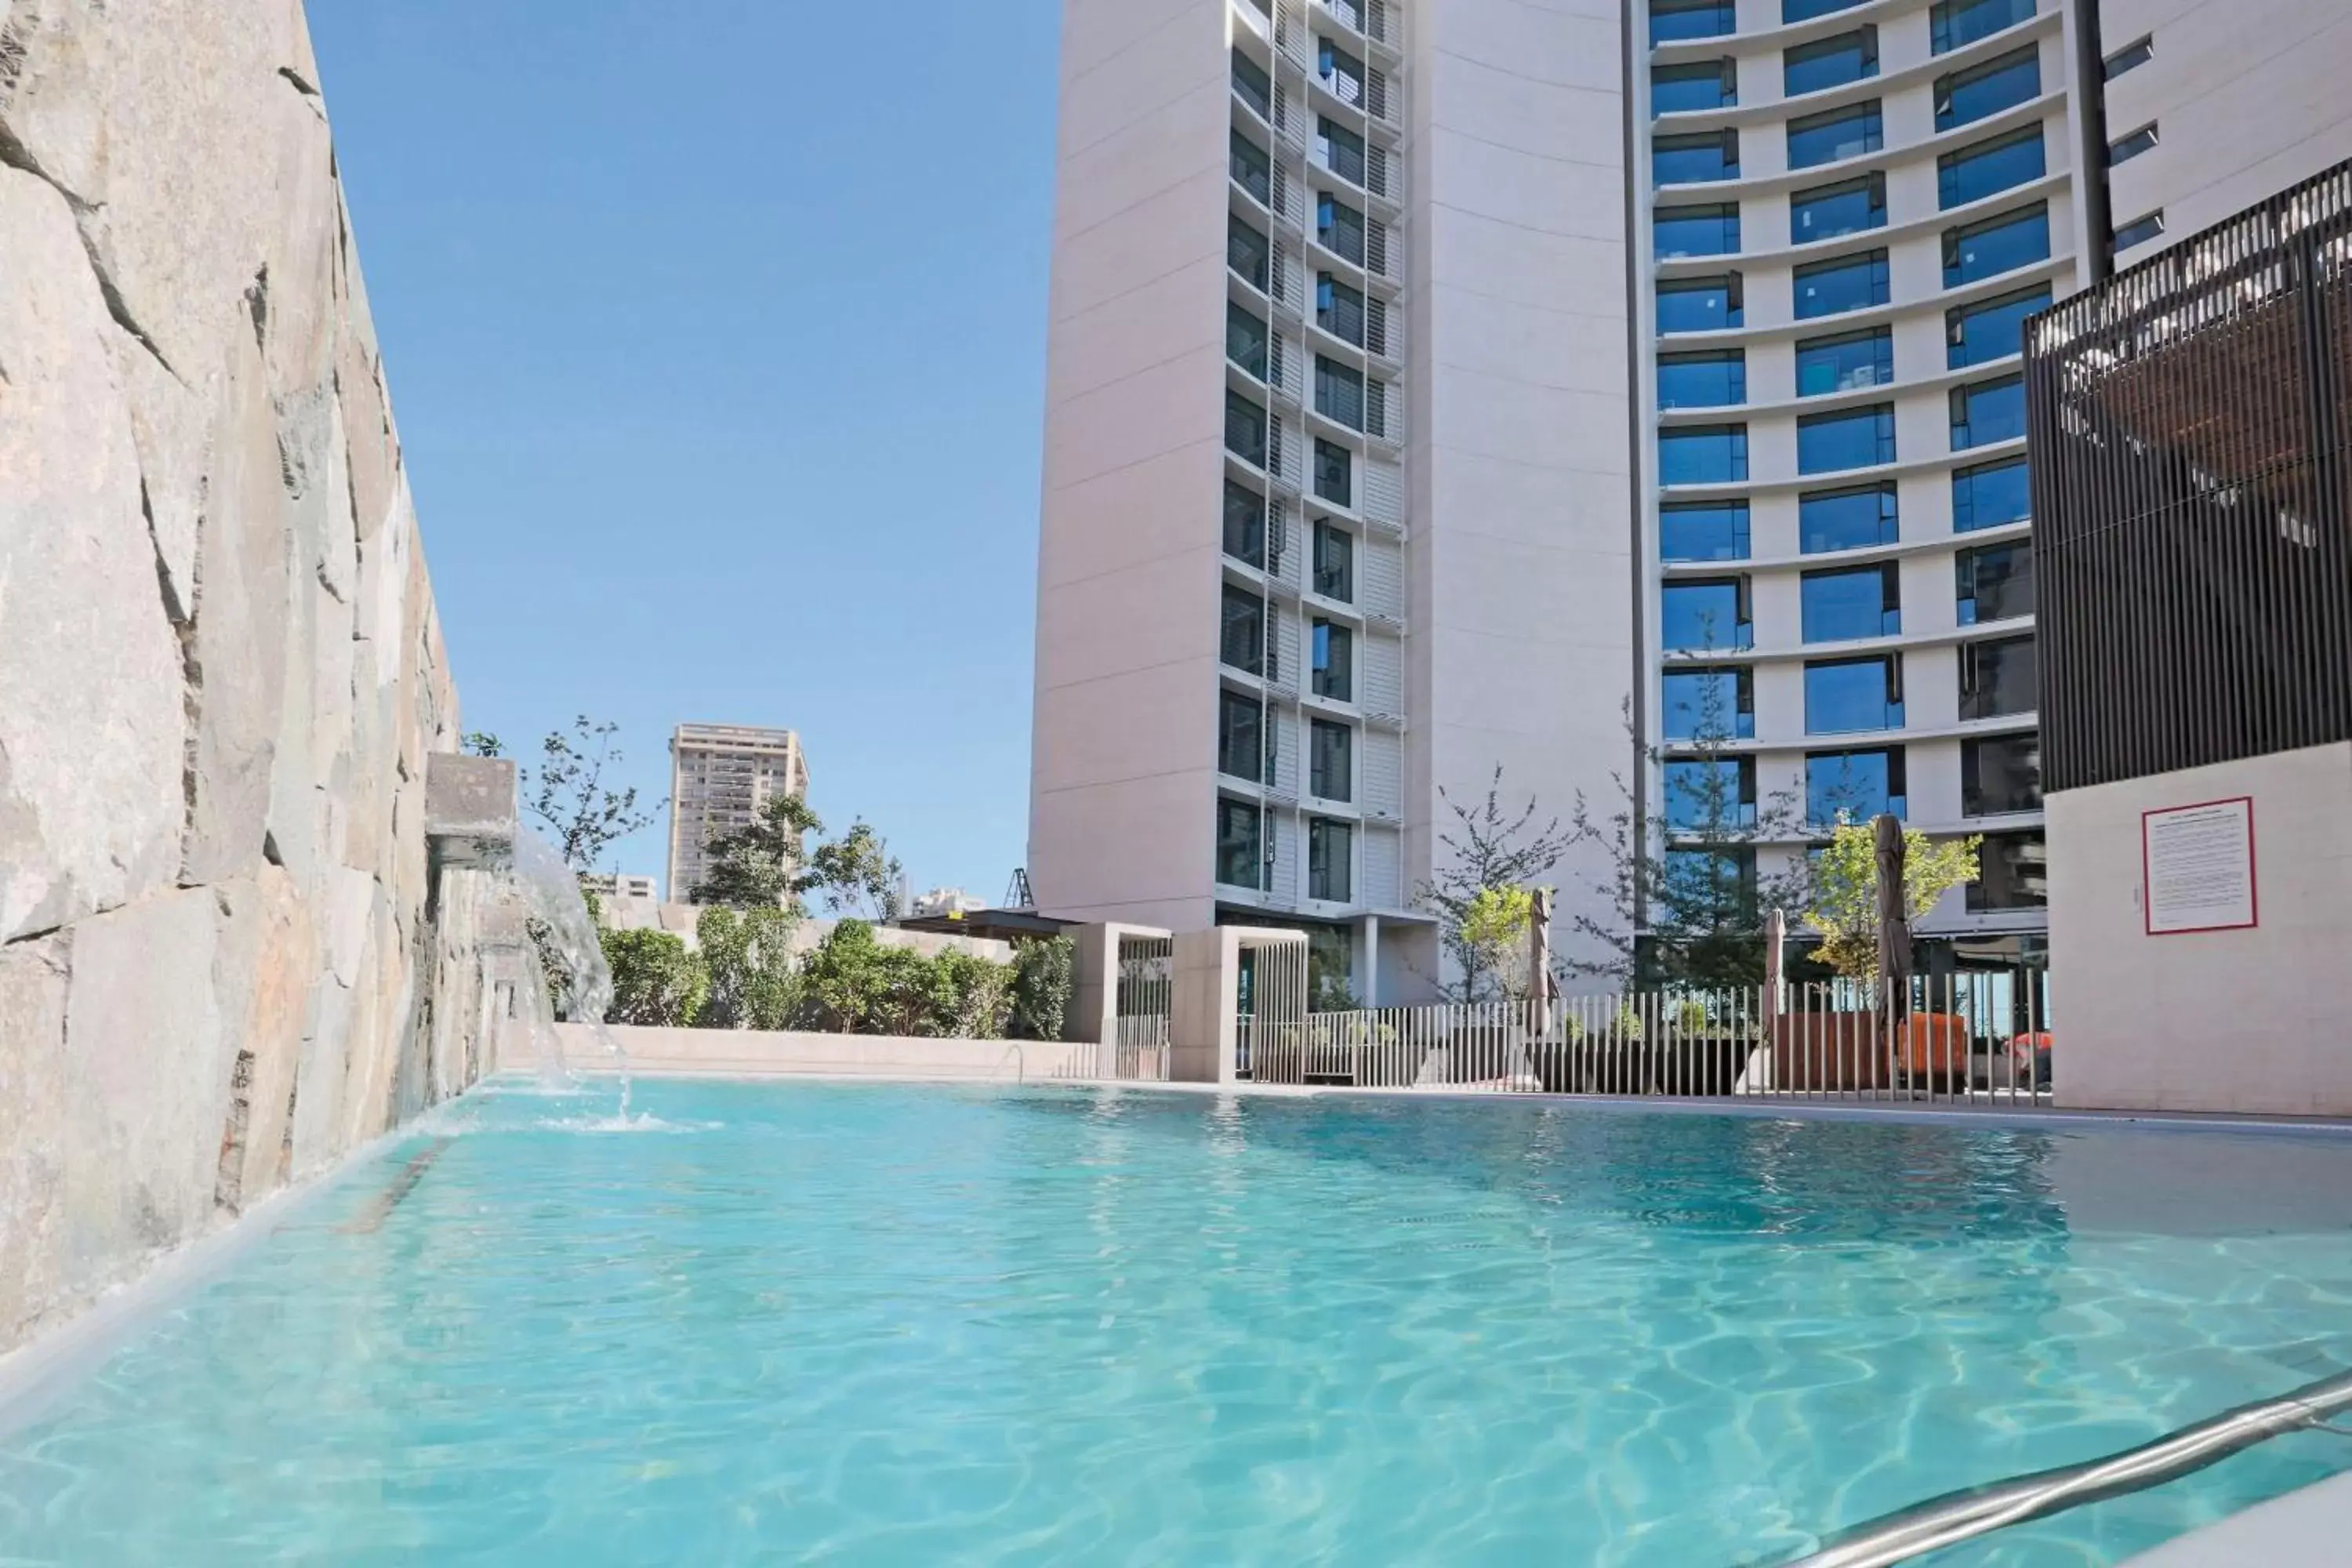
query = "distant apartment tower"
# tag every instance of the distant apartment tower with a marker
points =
(721, 776)
(618, 885)
(1336, 473)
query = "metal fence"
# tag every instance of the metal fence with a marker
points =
(1974, 1039)
(1146, 990)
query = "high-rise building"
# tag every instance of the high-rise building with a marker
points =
(1433, 384)
(720, 777)
(1337, 455)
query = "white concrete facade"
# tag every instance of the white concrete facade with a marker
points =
(1948, 118)
(2239, 1020)
(1444, 567)
(2244, 98)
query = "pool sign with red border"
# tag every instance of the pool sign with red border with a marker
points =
(2197, 867)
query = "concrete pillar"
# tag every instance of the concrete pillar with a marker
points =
(1201, 1012)
(1094, 986)
(1370, 992)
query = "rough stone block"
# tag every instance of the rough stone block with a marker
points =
(148, 1074)
(470, 809)
(92, 718)
(33, 1100)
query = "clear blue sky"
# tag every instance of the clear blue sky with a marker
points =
(716, 336)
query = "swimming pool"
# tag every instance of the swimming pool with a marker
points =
(879, 1324)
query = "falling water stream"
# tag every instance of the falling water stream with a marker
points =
(567, 936)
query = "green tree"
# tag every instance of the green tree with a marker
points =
(1680, 900)
(1844, 903)
(657, 979)
(851, 983)
(482, 743)
(761, 863)
(1043, 973)
(857, 875)
(567, 793)
(747, 956)
(972, 998)
(1485, 847)
(1497, 925)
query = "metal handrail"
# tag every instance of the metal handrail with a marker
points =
(1963, 1516)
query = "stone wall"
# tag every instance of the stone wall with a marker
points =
(220, 668)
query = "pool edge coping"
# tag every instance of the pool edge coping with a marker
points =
(1887, 1111)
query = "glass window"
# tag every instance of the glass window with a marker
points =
(1703, 530)
(1330, 751)
(2139, 231)
(1990, 328)
(1846, 361)
(1696, 158)
(1955, 23)
(1698, 615)
(1806, 10)
(1859, 602)
(2012, 873)
(1996, 246)
(1846, 519)
(1841, 134)
(1335, 563)
(1330, 859)
(1244, 642)
(1708, 84)
(1240, 737)
(2001, 773)
(1334, 670)
(1707, 705)
(1830, 62)
(2130, 58)
(1253, 86)
(1248, 253)
(1714, 795)
(1338, 310)
(1253, 170)
(1850, 694)
(1245, 430)
(1339, 228)
(1245, 340)
(1831, 212)
(1339, 393)
(1713, 884)
(1855, 786)
(1674, 19)
(2125, 148)
(2004, 83)
(1848, 283)
(1850, 439)
(1988, 412)
(1703, 455)
(1972, 174)
(1239, 863)
(1998, 679)
(1991, 494)
(1335, 473)
(1244, 524)
(1702, 380)
(1696, 231)
(1342, 72)
(1340, 150)
(1995, 581)
(1700, 304)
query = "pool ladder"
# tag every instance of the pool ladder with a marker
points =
(1961, 1516)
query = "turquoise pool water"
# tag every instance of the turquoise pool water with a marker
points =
(894, 1325)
